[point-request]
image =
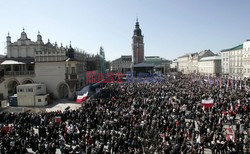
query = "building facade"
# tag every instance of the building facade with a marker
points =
(61, 69)
(188, 63)
(122, 64)
(246, 59)
(137, 45)
(210, 65)
(232, 61)
(183, 64)
(174, 64)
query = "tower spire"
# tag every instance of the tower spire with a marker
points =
(137, 23)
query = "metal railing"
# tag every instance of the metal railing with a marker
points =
(9, 73)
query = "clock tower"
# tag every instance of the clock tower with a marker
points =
(137, 45)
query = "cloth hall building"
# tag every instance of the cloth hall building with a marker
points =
(61, 69)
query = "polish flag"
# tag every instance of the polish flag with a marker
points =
(207, 103)
(230, 134)
(58, 119)
(81, 98)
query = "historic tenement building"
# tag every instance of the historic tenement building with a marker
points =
(246, 58)
(210, 65)
(62, 69)
(188, 63)
(232, 61)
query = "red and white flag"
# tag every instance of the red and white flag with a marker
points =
(58, 119)
(207, 103)
(81, 98)
(230, 134)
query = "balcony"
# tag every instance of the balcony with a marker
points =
(71, 76)
(12, 73)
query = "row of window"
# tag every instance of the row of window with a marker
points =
(225, 54)
(246, 70)
(247, 49)
(210, 69)
(236, 70)
(39, 100)
(25, 90)
(239, 64)
(232, 59)
(50, 58)
(49, 52)
(28, 89)
(236, 64)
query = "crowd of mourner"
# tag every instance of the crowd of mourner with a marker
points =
(140, 117)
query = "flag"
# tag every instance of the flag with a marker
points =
(224, 113)
(81, 98)
(162, 135)
(217, 82)
(228, 83)
(236, 106)
(231, 111)
(207, 103)
(232, 84)
(220, 82)
(224, 82)
(58, 119)
(188, 135)
(230, 134)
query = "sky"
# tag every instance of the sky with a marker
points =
(171, 28)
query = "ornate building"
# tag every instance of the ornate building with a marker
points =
(137, 45)
(62, 69)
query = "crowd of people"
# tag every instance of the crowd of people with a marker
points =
(139, 117)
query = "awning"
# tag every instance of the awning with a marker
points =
(18, 61)
(11, 62)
